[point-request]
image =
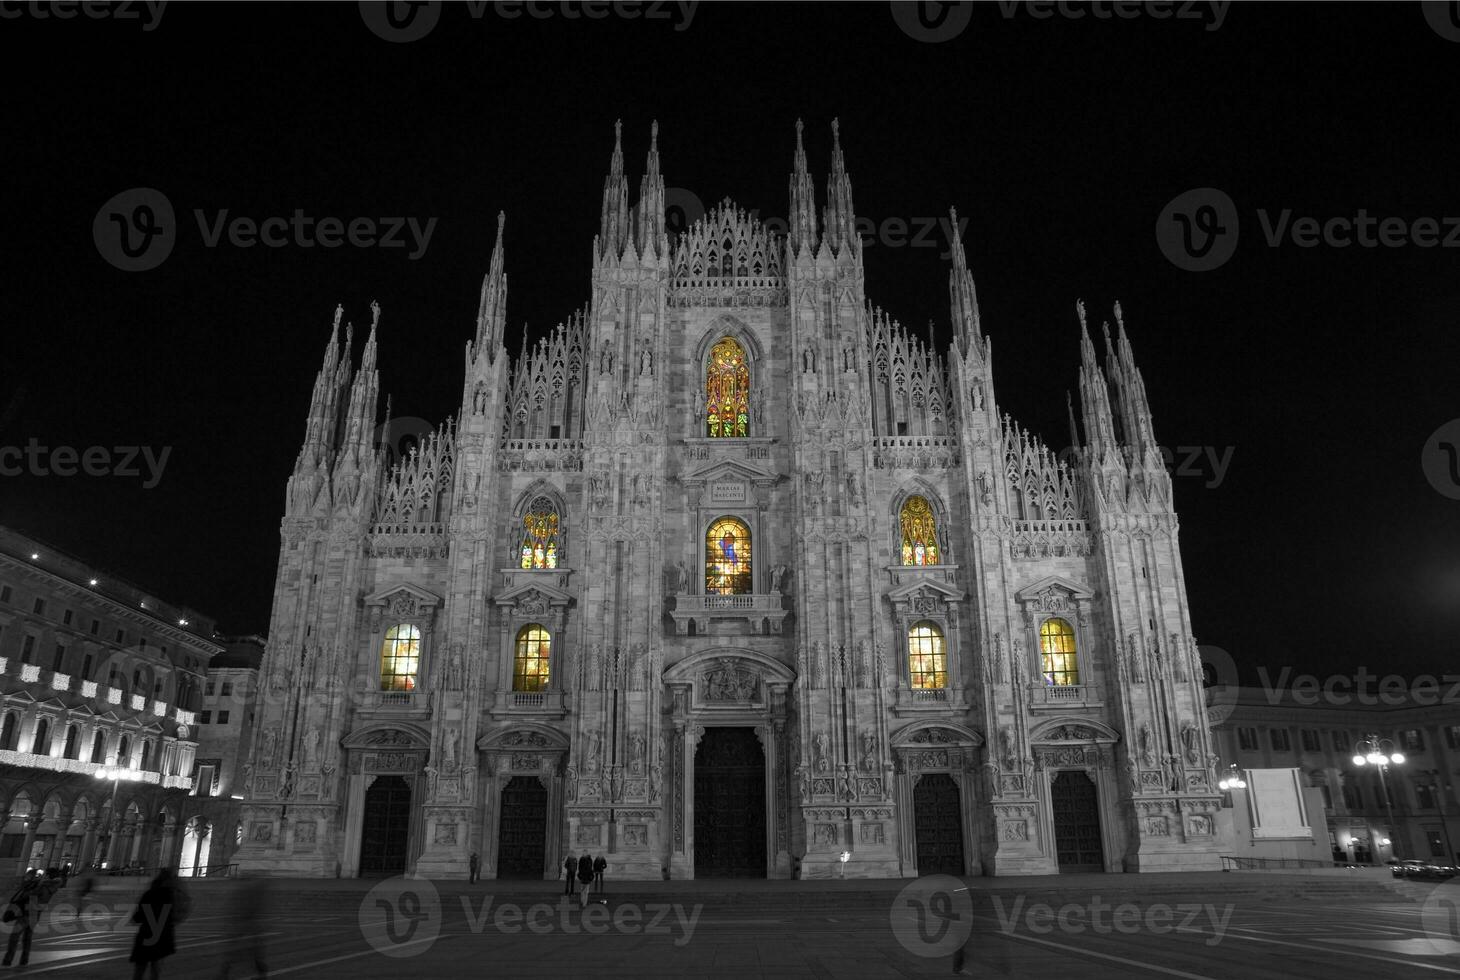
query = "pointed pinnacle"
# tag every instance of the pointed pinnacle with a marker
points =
(501, 221)
(654, 136)
(374, 316)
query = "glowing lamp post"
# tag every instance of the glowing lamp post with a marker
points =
(1233, 780)
(116, 774)
(1370, 752)
(845, 857)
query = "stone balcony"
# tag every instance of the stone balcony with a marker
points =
(728, 615)
(400, 705)
(929, 701)
(537, 705)
(1054, 696)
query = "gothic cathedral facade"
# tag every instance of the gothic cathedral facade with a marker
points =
(730, 575)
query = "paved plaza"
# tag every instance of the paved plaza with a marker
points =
(1213, 926)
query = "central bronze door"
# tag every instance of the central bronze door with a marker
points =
(1076, 822)
(729, 805)
(385, 826)
(938, 823)
(522, 840)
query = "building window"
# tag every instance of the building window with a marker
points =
(540, 535)
(1057, 652)
(530, 662)
(1280, 740)
(227, 689)
(27, 649)
(1352, 798)
(4, 593)
(1341, 742)
(1311, 742)
(8, 732)
(400, 658)
(73, 735)
(206, 718)
(1424, 796)
(919, 532)
(1452, 736)
(203, 784)
(124, 752)
(66, 617)
(59, 660)
(42, 744)
(39, 608)
(1412, 740)
(98, 748)
(1247, 739)
(927, 657)
(146, 754)
(727, 390)
(86, 668)
(121, 636)
(208, 689)
(727, 558)
(223, 717)
(95, 626)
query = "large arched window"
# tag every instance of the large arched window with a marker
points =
(919, 532)
(400, 658)
(1057, 653)
(540, 535)
(72, 735)
(727, 390)
(927, 657)
(727, 558)
(42, 744)
(8, 731)
(530, 669)
(124, 752)
(98, 747)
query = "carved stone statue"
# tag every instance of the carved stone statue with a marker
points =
(636, 753)
(450, 745)
(869, 750)
(1188, 741)
(598, 487)
(1148, 758)
(818, 742)
(455, 671)
(854, 490)
(778, 576)
(1006, 747)
(311, 750)
(679, 577)
(266, 748)
(590, 752)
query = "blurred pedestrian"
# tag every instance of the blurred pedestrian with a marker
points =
(570, 868)
(585, 878)
(246, 935)
(474, 867)
(21, 914)
(162, 907)
(599, 867)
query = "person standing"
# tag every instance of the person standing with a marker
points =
(22, 913)
(162, 906)
(570, 868)
(600, 865)
(585, 878)
(475, 867)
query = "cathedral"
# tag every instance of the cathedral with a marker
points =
(730, 575)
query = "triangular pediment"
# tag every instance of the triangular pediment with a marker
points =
(1055, 583)
(530, 591)
(929, 587)
(390, 595)
(728, 470)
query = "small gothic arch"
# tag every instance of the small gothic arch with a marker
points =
(540, 497)
(940, 517)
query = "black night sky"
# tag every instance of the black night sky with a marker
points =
(1323, 370)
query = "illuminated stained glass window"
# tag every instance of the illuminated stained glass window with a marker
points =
(727, 390)
(927, 657)
(540, 535)
(1057, 650)
(727, 558)
(400, 658)
(530, 664)
(919, 533)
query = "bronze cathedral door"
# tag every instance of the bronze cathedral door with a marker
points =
(1076, 809)
(385, 826)
(522, 840)
(938, 824)
(729, 805)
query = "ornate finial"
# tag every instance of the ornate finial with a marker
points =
(501, 221)
(1080, 312)
(835, 130)
(618, 131)
(799, 126)
(1118, 321)
(374, 315)
(339, 313)
(654, 135)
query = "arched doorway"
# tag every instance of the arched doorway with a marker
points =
(522, 838)
(385, 826)
(938, 825)
(729, 805)
(1076, 808)
(196, 844)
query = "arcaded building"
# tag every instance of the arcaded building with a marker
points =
(730, 575)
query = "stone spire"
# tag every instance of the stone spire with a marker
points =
(492, 309)
(613, 229)
(803, 201)
(962, 296)
(651, 236)
(841, 219)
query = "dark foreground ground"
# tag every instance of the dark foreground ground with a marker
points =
(1251, 926)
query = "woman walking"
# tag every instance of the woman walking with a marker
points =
(585, 878)
(162, 906)
(570, 868)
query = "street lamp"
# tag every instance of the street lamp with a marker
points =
(1370, 751)
(116, 774)
(1233, 779)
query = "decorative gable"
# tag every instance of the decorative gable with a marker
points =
(403, 603)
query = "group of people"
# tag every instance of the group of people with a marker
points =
(23, 911)
(587, 871)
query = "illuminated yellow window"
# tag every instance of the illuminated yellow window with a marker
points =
(727, 390)
(530, 663)
(919, 533)
(1057, 650)
(927, 657)
(727, 558)
(400, 658)
(540, 535)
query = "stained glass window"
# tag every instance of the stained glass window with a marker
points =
(919, 532)
(1057, 649)
(530, 664)
(727, 558)
(927, 657)
(727, 390)
(540, 535)
(400, 658)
